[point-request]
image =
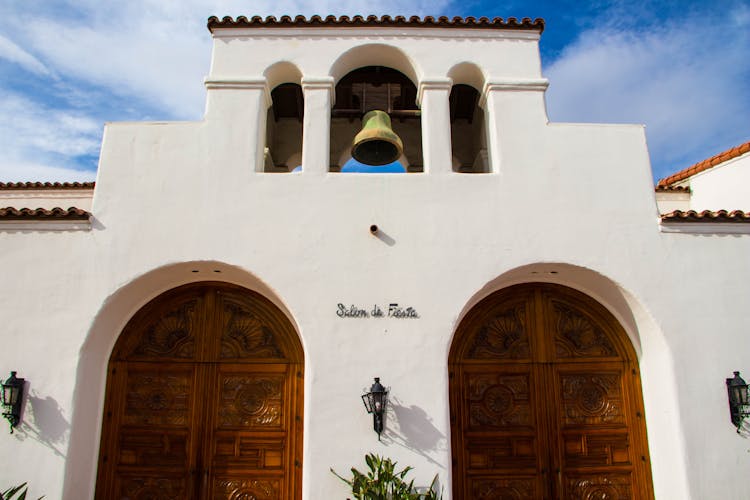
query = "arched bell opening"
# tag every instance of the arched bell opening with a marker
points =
(376, 120)
(468, 120)
(546, 400)
(284, 128)
(468, 134)
(204, 399)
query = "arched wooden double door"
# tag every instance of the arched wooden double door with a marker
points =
(546, 401)
(204, 400)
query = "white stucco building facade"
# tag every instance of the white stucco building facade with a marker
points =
(712, 184)
(535, 202)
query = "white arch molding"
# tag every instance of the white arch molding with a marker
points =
(374, 54)
(468, 73)
(282, 72)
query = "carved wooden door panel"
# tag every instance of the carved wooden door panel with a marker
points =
(204, 400)
(595, 458)
(152, 449)
(248, 442)
(545, 401)
(495, 406)
(504, 454)
(598, 412)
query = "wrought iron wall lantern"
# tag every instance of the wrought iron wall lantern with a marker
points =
(12, 399)
(738, 404)
(375, 402)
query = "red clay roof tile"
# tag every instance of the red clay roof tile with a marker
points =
(375, 21)
(705, 164)
(73, 213)
(672, 189)
(46, 185)
(706, 216)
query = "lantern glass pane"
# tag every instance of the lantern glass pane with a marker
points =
(734, 394)
(7, 395)
(367, 400)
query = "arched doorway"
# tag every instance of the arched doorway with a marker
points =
(204, 400)
(546, 400)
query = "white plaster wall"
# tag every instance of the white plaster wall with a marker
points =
(724, 187)
(47, 198)
(672, 200)
(327, 51)
(174, 198)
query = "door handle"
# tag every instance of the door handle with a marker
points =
(559, 483)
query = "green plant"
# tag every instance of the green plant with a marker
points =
(15, 493)
(384, 482)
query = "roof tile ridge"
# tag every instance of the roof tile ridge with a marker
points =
(706, 164)
(706, 216)
(72, 213)
(46, 185)
(536, 24)
(672, 189)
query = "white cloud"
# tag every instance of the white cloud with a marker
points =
(145, 59)
(688, 82)
(39, 143)
(160, 65)
(15, 54)
(32, 128)
(36, 172)
(160, 51)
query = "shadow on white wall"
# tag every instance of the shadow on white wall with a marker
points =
(43, 421)
(412, 428)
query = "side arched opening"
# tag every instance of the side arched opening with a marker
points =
(468, 123)
(283, 151)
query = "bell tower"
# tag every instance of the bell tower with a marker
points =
(431, 96)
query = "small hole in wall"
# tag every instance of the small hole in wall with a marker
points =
(217, 271)
(195, 270)
(553, 272)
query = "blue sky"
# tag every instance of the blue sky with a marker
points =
(67, 66)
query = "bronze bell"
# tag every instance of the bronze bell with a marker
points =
(377, 144)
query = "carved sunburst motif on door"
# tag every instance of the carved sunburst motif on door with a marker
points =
(171, 335)
(245, 336)
(503, 336)
(577, 335)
